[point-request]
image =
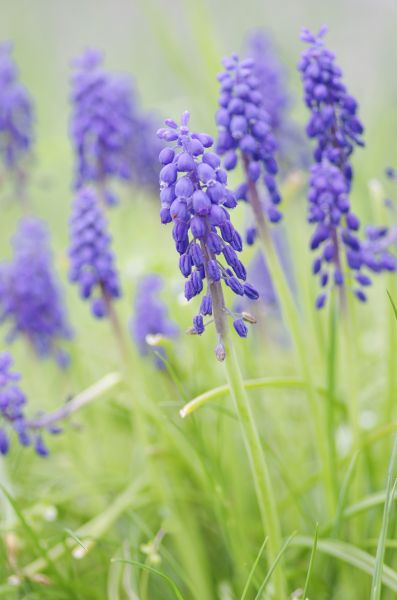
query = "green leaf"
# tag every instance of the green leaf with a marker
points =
(33, 538)
(170, 582)
(253, 568)
(273, 566)
(311, 562)
(350, 555)
(250, 384)
(392, 303)
(380, 553)
(343, 495)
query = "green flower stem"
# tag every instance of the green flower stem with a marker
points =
(293, 320)
(392, 345)
(330, 396)
(259, 468)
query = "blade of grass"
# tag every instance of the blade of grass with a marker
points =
(75, 537)
(34, 539)
(145, 567)
(274, 565)
(250, 384)
(351, 555)
(311, 562)
(392, 303)
(93, 528)
(343, 495)
(380, 553)
(253, 568)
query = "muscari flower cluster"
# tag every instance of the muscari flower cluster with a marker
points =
(195, 198)
(16, 113)
(151, 318)
(12, 417)
(336, 128)
(109, 132)
(31, 302)
(277, 101)
(271, 78)
(91, 258)
(244, 132)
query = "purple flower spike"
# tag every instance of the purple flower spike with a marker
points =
(193, 193)
(245, 130)
(91, 258)
(16, 113)
(337, 130)
(12, 416)
(112, 137)
(30, 298)
(151, 317)
(273, 85)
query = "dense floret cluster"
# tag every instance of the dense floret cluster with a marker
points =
(195, 198)
(16, 113)
(31, 302)
(245, 133)
(336, 128)
(91, 258)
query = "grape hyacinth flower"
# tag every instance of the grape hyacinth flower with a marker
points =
(277, 101)
(12, 417)
(145, 151)
(195, 198)
(31, 301)
(336, 128)
(101, 124)
(271, 77)
(244, 133)
(151, 317)
(16, 114)
(377, 246)
(91, 258)
(112, 137)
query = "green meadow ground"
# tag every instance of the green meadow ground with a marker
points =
(130, 486)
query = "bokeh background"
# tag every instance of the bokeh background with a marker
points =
(172, 49)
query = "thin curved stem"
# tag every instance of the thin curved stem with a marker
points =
(96, 390)
(259, 468)
(249, 384)
(293, 320)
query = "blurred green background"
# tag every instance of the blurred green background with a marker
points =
(173, 51)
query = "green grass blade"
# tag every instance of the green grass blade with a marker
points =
(380, 553)
(350, 555)
(253, 568)
(75, 537)
(33, 538)
(274, 565)
(392, 303)
(343, 495)
(170, 582)
(250, 384)
(311, 563)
